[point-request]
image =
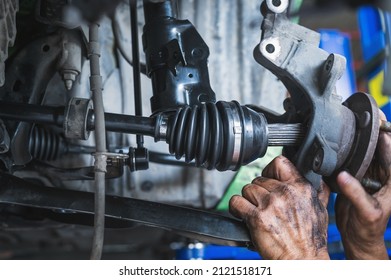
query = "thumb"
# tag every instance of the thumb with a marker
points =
(352, 189)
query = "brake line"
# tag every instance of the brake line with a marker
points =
(100, 141)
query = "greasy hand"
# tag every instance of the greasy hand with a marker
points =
(361, 217)
(287, 219)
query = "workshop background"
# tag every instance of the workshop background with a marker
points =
(231, 28)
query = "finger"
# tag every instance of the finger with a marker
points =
(324, 194)
(240, 207)
(266, 183)
(384, 197)
(383, 154)
(384, 158)
(384, 149)
(281, 169)
(355, 193)
(254, 193)
(381, 165)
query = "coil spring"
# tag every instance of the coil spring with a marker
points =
(45, 144)
(197, 134)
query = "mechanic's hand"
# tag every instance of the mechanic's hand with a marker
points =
(287, 219)
(361, 217)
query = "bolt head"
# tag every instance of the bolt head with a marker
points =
(69, 76)
(318, 160)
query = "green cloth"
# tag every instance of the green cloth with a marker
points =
(294, 9)
(245, 175)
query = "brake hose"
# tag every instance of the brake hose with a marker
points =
(100, 141)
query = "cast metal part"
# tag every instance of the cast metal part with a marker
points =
(291, 52)
(76, 116)
(8, 9)
(366, 111)
(28, 74)
(204, 226)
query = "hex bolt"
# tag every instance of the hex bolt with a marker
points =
(72, 58)
(371, 184)
(69, 77)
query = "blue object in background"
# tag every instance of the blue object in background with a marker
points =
(372, 33)
(334, 41)
(375, 26)
(199, 251)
